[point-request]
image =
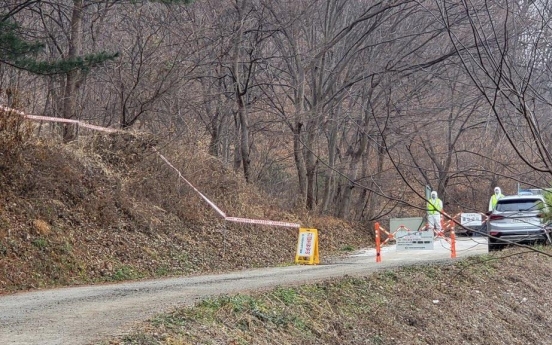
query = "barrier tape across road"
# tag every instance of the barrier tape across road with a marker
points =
(113, 130)
(262, 222)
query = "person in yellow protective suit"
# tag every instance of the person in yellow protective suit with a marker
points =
(434, 208)
(494, 198)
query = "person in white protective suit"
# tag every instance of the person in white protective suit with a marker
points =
(494, 198)
(434, 208)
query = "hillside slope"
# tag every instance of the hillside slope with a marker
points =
(106, 208)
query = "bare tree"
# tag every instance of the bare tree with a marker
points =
(151, 68)
(510, 66)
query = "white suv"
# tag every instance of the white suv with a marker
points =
(517, 218)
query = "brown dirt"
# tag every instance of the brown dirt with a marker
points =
(106, 208)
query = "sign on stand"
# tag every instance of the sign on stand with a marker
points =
(410, 235)
(307, 247)
(471, 219)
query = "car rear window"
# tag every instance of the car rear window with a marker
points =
(518, 205)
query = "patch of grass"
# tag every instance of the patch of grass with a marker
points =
(140, 339)
(184, 262)
(479, 265)
(319, 291)
(183, 258)
(388, 277)
(162, 271)
(125, 273)
(285, 264)
(205, 310)
(240, 316)
(347, 248)
(287, 295)
(240, 303)
(300, 324)
(169, 321)
(4, 223)
(430, 271)
(211, 303)
(40, 243)
(65, 248)
(377, 340)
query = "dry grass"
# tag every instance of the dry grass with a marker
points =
(487, 300)
(108, 208)
(42, 228)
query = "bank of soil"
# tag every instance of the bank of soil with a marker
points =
(107, 209)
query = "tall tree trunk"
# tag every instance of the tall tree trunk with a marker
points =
(300, 162)
(298, 133)
(345, 202)
(316, 110)
(214, 143)
(329, 184)
(311, 165)
(72, 77)
(237, 144)
(364, 172)
(218, 114)
(240, 94)
(244, 142)
(373, 197)
(356, 155)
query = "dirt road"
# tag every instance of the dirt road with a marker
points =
(86, 315)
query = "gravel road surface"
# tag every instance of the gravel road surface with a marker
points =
(88, 314)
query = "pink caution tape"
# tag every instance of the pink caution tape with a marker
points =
(212, 204)
(220, 212)
(62, 120)
(263, 222)
(113, 130)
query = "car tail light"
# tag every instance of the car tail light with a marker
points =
(496, 217)
(494, 233)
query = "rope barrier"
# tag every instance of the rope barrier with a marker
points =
(113, 130)
(391, 237)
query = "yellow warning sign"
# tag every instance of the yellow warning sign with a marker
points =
(307, 247)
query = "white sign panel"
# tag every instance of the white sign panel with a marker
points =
(471, 219)
(414, 240)
(409, 234)
(306, 244)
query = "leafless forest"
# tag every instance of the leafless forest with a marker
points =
(342, 107)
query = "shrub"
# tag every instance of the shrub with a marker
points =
(15, 132)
